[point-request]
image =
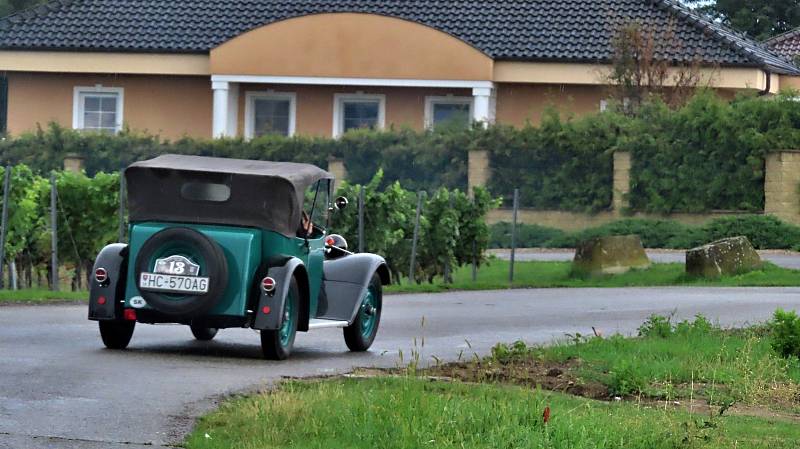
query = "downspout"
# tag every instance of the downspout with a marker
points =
(769, 84)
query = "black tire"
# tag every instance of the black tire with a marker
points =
(356, 336)
(204, 333)
(214, 266)
(273, 346)
(116, 334)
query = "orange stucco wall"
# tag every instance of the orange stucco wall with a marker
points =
(171, 106)
(351, 45)
(518, 104)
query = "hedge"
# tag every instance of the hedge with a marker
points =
(707, 155)
(426, 160)
(764, 231)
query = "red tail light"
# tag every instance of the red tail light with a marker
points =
(129, 315)
(268, 284)
(101, 275)
(101, 300)
(266, 310)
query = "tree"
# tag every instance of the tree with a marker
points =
(11, 6)
(760, 19)
(638, 74)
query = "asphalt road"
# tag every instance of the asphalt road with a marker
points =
(60, 389)
(781, 259)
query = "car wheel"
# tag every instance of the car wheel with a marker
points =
(277, 344)
(116, 334)
(360, 335)
(204, 333)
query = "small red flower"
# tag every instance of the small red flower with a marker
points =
(546, 415)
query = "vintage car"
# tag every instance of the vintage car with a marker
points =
(220, 243)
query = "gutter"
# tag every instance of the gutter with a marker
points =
(768, 87)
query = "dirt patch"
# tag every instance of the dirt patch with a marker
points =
(553, 376)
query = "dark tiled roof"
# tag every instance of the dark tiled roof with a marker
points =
(786, 45)
(530, 30)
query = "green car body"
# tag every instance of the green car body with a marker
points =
(210, 252)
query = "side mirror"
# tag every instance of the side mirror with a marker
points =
(341, 203)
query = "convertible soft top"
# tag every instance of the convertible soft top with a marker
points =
(212, 190)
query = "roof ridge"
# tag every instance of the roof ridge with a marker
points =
(34, 11)
(735, 40)
(704, 24)
(782, 37)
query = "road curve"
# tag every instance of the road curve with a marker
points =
(60, 389)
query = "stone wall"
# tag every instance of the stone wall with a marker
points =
(781, 186)
(781, 189)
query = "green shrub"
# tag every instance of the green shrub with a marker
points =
(708, 155)
(528, 236)
(785, 327)
(562, 164)
(764, 231)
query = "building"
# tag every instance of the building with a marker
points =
(208, 68)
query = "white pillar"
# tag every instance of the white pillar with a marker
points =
(233, 110)
(483, 110)
(222, 95)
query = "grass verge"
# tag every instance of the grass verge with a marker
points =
(537, 274)
(40, 296)
(678, 385)
(414, 413)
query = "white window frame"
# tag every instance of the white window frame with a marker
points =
(432, 101)
(250, 109)
(78, 104)
(338, 109)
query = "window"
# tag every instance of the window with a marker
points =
(98, 109)
(270, 113)
(448, 111)
(356, 111)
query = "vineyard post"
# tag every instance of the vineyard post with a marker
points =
(4, 231)
(54, 230)
(122, 206)
(361, 219)
(416, 238)
(514, 237)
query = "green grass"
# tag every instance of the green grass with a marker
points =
(412, 413)
(676, 361)
(32, 296)
(537, 274)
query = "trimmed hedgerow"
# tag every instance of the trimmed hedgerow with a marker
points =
(764, 231)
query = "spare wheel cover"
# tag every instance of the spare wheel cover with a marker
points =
(203, 251)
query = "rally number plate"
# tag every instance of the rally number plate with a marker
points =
(173, 284)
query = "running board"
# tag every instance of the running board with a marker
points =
(325, 324)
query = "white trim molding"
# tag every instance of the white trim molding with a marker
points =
(431, 101)
(368, 82)
(484, 107)
(78, 103)
(338, 106)
(250, 109)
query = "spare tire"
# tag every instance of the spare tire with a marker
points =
(199, 249)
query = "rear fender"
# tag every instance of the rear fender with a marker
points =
(114, 258)
(346, 282)
(282, 269)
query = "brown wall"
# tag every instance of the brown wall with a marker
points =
(350, 45)
(171, 106)
(405, 106)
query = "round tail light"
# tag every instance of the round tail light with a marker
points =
(101, 275)
(268, 284)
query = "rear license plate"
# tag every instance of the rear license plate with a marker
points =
(172, 283)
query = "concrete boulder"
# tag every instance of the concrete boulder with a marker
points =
(724, 257)
(610, 255)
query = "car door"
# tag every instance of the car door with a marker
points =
(319, 196)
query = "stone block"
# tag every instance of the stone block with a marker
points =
(610, 255)
(724, 257)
